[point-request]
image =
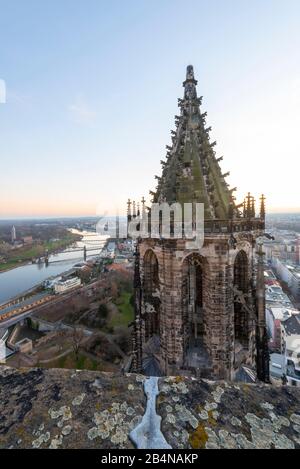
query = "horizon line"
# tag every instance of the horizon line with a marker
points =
(70, 217)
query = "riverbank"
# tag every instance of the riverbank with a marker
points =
(24, 255)
(20, 279)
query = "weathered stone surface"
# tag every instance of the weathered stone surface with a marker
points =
(82, 409)
(204, 414)
(68, 408)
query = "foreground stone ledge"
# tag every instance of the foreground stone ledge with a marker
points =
(82, 409)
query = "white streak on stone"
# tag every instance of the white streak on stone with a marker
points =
(148, 435)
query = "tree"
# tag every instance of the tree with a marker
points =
(103, 310)
(76, 338)
(123, 338)
(4, 248)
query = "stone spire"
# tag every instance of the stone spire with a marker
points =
(262, 207)
(191, 172)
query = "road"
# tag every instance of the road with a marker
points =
(36, 308)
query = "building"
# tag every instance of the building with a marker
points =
(198, 310)
(24, 346)
(13, 235)
(285, 246)
(298, 251)
(290, 348)
(290, 274)
(27, 240)
(275, 296)
(277, 367)
(275, 315)
(290, 333)
(292, 357)
(62, 286)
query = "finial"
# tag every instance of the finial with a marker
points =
(262, 207)
(129, 207)
(190, 72)
(244, 209)
(253, 207)
(248, 206)
(190, 84)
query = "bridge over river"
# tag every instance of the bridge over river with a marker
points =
(24, 278)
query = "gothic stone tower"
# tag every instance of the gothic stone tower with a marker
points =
(200, 311)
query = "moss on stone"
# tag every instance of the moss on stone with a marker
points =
(199, 437)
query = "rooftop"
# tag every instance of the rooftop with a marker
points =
(280, 299)
(292, 343)
(292, 325)
(277, 365)
(281, 313)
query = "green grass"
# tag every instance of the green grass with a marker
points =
(62, 361)
(9, 265)
(126, 313)
(82, 363)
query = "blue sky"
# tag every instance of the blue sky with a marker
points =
(92, 90)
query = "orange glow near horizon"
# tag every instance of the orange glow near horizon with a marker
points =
(43, 209)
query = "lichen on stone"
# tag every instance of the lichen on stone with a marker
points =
(140, 378)
(264, 432)
(213, 440)
(78, 400)
(171, 419)
(64, 412)
(66, 430)
(56, 442)
(210, 406)
(114, 423)
(130, 411)
(295, 418)
(217, 394)
(296, 428)
(203, 415)
(267, 406)
(185, 415)
(235, 422)
(227, 441)
(227, 415)
(43, 438)
(243, 442)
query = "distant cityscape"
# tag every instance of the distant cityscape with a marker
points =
(72, 302)
(282, 277)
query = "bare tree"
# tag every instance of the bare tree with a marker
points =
(76, 338)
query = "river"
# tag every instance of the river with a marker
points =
(18, 280)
